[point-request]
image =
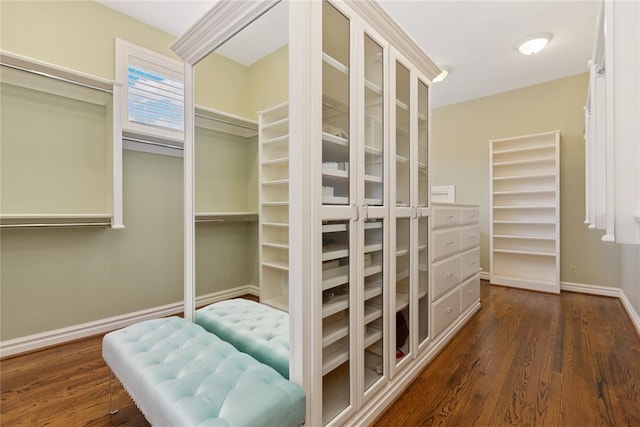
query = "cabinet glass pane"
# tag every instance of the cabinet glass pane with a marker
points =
(403, 136)
(423, 278)
(335, 106)
(403, 269)
(423, 144)
(373, 302)
(335, 318)
(373, 122)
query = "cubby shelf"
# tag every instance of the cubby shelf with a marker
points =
(525, 212)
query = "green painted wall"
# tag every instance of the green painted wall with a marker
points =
(460, 153)
(56, 278)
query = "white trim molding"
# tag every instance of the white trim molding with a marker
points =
(42, 340)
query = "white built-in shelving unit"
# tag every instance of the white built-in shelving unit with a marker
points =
(273, 200)
(525, 211)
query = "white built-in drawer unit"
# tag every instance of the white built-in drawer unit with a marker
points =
(455, 275)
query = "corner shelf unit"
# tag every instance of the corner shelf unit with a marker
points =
(273, 200)
(525, 211)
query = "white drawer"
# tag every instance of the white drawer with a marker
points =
(445, 312)
(469, 263)
(443, 217)
(445, 243)
(469, 292)
(470, 237)
(469, 215)
(446, 275)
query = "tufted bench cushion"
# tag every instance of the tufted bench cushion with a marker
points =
(181, 375)
(252, 328)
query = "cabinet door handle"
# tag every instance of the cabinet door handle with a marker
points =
(450, 242)
(449, 216)
(472, 263)
(448, 309)
(473, 236)
(473, 215)
(449, 275)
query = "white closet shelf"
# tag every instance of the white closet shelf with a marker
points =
(335, 277)
(277, 264)
(335, 251)
(524, 192)
(225, 216)
(373, 179)
(500, 278)
(329, 60)
(276, 161)
(372, 150)
(524, 237)
(423, 267)
(402, 251)
(524, 149)
(278, 123)
(528, 176)
(220, 121)
(276, 140)
(401, 159)
(335, 200)
(372, 312)
(276, 182)
(372, 87)
(422, 247)
(372, 225)
(372, 335)
(534, 253)
(525, 207)
(334, 139)
(276, 244)
(373, 202)
(335, 305)
(335, 173)
(526, 162)
(402, 275)
(422, 293)
(332, 360)
(372, 269)
(275, 224)
(334, 332)
(333, 228)
(525, 222)
(402, 301)
(372, 247)
(372, 290)
(47, 220)
(283, 203)
(402, 105)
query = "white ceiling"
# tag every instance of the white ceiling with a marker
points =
(475, 39)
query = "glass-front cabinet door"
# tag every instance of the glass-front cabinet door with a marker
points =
(423, 199)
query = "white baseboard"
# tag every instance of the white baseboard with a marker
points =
(59, 336)
(485, 275)
(633, 314)
(606, 291)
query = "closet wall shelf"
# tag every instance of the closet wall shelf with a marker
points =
(511, 251)
(13, 221)
(225, 216)
(524, 149)
(208, 118)
(543, 175)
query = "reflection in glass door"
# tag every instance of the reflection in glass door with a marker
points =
(373, 122)
(335, 106)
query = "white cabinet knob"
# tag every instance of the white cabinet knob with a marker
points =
(448, 309)
(449, 275)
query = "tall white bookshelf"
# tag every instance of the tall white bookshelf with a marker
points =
(525, 211)
(273, 196)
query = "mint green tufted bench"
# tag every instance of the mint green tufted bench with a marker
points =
(180, 375)
(256, 329)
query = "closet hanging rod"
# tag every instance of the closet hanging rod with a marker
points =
(53, 76)
(159, 144)
(227, 122)
(57, 225)
(227, 220)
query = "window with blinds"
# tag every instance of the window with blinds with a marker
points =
(153, 101)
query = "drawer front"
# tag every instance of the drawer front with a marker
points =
(469, 292)
(470, 237)
(469, 263)
(444, 217)
(445, 311)
(446, 275)
(469, 215)
(445, 243)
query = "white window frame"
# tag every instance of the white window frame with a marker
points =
(164, 139)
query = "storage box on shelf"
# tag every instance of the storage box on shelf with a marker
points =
(455, 255)
(525, 212)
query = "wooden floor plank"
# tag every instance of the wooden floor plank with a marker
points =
(526, 359)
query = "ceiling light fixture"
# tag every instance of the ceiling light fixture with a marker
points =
(443, 75)
(533, 44)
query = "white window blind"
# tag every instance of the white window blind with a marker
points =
(153, 104)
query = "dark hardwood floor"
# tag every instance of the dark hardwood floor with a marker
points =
(526, 359)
